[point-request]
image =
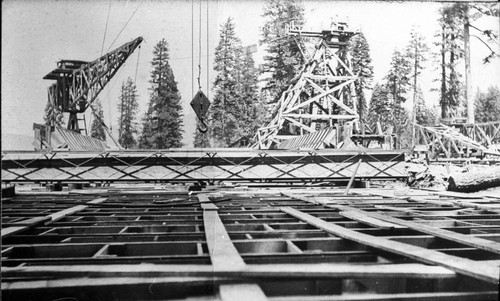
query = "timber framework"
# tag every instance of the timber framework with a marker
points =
(242, 243)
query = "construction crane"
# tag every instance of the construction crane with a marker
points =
(78, 83)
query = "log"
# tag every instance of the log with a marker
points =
(475, 181)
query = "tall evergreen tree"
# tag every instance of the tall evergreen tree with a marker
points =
(487, 105)
(451, 51)
(283, 58)
(417, 51)
(362, 67)
(423, 114)
(236, 110)
(162, 123)
(96, 127)
(390, 114)
(380, 107)
(224, 113)
(398, 78)
(127, 125)
(252, 107)
(398, 84)
(454, 19)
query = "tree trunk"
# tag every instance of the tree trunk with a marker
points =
(475, 181)
(444, 98)
(468, 84)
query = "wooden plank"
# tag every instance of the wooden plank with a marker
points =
(475, 242)
(224, 255)
(446, 296)
(301, 270)
(49, 218)
(460, 265)
(370, 221)
(242, 292)
(85, 282)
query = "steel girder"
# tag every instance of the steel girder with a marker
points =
(207, 165)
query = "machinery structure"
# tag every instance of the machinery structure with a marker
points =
(319, 97)
(77, 85)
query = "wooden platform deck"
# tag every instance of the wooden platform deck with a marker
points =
(140, 242)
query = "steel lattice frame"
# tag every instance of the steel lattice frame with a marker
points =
(320, 97)
(208, 165)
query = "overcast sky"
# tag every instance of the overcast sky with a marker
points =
(36, 34)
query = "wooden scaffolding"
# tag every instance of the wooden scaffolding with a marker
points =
(319, 96)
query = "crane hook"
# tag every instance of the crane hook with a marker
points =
(204, 127)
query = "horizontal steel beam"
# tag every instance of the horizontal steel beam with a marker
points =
(201, 165)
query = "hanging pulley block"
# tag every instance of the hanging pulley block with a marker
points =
(200, 104)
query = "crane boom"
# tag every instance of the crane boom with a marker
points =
(78, 83)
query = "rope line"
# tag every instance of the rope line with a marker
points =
(208, 53)
(192, 46)
(125, 25)
(199, 49)
(106, 29)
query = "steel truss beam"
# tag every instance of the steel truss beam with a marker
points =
(201, 165)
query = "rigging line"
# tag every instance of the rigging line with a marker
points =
(199, 49)
(106, 29)
(208, 53)
(125, 25)
(192, 46)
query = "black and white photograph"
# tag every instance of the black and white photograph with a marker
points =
(303, 150)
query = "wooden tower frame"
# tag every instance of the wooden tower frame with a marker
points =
(320, 96)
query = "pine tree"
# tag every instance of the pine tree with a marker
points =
(487, 105)
(380, 107)
(162, 123)
(127, 125)
(451, 51)
(283, 59)
(362, 67)
(417, 51)
(390, 114)
(398, 78)
(52, 115)
(96, 127)
(224, 113)
(423, 114)
(252, 108)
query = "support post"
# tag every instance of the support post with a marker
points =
(352, 177)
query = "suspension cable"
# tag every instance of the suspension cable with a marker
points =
(199, 50)
(105, 29)
(125, 25)
(192, 46)
(208, 55)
